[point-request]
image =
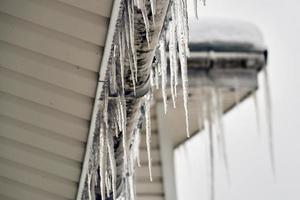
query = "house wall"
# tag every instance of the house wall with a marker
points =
(50, 51)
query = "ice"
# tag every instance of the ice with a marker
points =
(269, 118)
(153, 7)
(123, 73)
(129, 34)
(208, 124)
(181, 18)
(257, 112)
(221, 134)
(92, 187)
(148, 133)
(89, 186)
(112, 161)
(156, 78)
(163, 62)
(196, 8)
(113, 76)
(137, 146)
(121, 49)
(102, 164)
(173, 56)
(236, 91)
(142, 7)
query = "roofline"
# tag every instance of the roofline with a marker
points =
(102, 72)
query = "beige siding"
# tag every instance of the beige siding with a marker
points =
(50, 52)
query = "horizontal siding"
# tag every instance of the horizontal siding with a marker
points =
(60, 17)
(19, 191)
(39, 160)
(149, 188)
(50, 51)
(39, 39)
(43, 117)
(43, 139)
(45, 94)
(47, 69)
(99, 7)
(36, 179)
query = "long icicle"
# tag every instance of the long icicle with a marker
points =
(163, 60)
(102, 162)
(269, 118)
(182, 46)
(172, 57)
(208, 123)
(257, 113)
(221, 131)
(112, 161)
(148, 133)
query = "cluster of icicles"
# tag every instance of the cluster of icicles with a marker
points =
(115, 152)
(211, 119)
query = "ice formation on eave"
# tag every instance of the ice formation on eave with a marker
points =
(125, 102)
(125, 107)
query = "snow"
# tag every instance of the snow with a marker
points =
(225, 31)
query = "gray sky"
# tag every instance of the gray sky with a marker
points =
(251, 176)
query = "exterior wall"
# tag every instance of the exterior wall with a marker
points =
(50, 51)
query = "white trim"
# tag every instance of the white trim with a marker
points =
(102, 72)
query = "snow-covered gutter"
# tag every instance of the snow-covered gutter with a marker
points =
(102, 73)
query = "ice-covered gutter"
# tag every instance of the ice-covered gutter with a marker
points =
(124, 92)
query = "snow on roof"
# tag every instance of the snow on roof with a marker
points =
(220, 32)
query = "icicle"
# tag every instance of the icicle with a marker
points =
(196, 8)
(92, 188)
(148, 133)
(153, 11)
(257, 113)
(142, 7)
(131, 188)
(129, 33)
(111, 154)
(121, 49)
(152, 84)
(182, 46)
(122, 107)
(172, 56)
(156, 77)
(211, 156)
(113, 76)
(174, 36)
(103, 152)
(269, 118)
(137, 146)
(102, 159)
(107, 184)
(89, 186)
(163, 61)
(116, 129)
(222, 141)
(130, 10)
(236, 90)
